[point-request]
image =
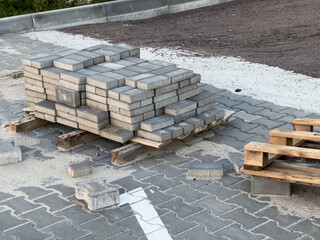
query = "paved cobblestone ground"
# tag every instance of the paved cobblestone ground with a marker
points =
(221, 209)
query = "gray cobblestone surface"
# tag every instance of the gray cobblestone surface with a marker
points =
(220, 209)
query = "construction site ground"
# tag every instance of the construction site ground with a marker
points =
(37, 195)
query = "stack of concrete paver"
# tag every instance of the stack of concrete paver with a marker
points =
(111, 91)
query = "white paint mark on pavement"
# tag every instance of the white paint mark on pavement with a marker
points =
(145, 213)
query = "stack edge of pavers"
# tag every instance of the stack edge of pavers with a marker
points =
(110, 91)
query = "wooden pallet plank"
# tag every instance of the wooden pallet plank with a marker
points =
(258, 165)
(288, 172)
(290, 134)
(27, 124)
(283, 150)
(127, 153)
(150, 143)
(75, 139)
(306, 121)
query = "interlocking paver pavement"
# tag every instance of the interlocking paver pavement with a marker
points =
(189, 209)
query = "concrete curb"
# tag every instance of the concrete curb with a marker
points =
(98, 13)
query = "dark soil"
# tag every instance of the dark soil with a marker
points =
(282, 33)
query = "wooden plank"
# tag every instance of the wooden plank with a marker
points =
(271, 158)
(29, 111)
(75, 139)
(306, 121)
(128, 153)
(283, 150)
(288, 172)
(290, 134)
(27, 124)
(150, 143)
(227, 115)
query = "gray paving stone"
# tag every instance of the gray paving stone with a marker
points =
(239, 135)
(242, 125)
(135, 95)
(248, 108)
(203, 98)
(180, 107)
(272, 230)
(244, 219)
(161, 182)
(116, 214)
(179, 74)
(205, 170)
(26, 232)
(227, 102)
(249, 204)
(272, 107)
(97, 58)
(41, 218)
(197, 233)
(44, 62)
(64, 230)
(98, 69)
(261, 185)
(46, 106)
(307, 227)
(244, 185)
(90, 114)
(132, 224)
(77, 215)
(151, 83)
(127, 235)
(235, 230)
(157, 197)
(129, 183)
(210, 222)
(63, 190)
(7, 221)
(166, 89)
(102, 81)
(295, 112)
(68, 64)
(19, 205)
(228, 180)
(176, 160)
(175, 225)
(269, 114)
(273, 213)
(187, 194)
(179, 207)
(109, 56)
(168, 170)
(87, 237)
(125, 72)
(68, 97)
(218, 191)
(231, 141)
(268, 123)
(213, 205)
(157, 123)
(97, 193)
(117, 134)
(138, 69)
(54, 202)
(5, 196)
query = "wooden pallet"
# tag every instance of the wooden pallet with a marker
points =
(301, 144)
